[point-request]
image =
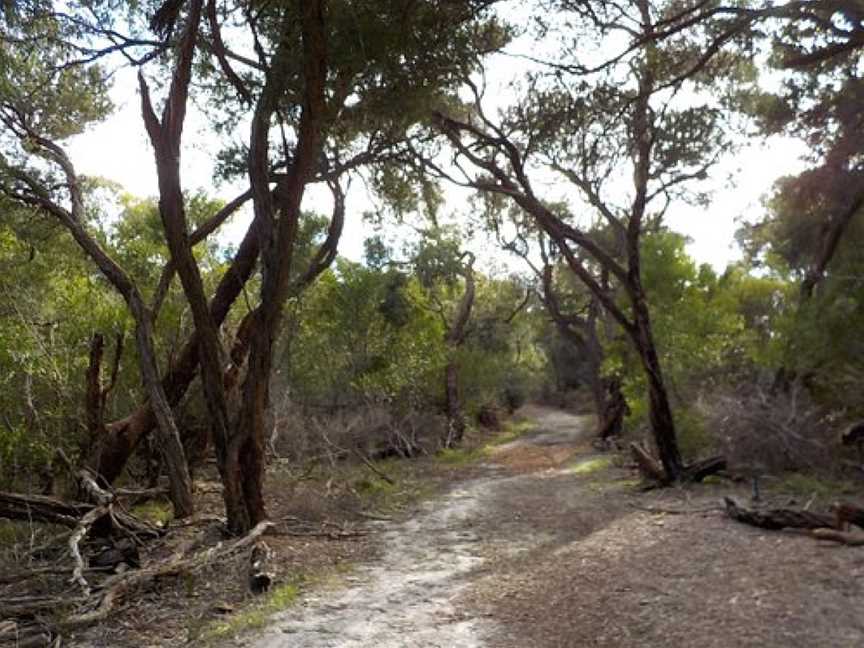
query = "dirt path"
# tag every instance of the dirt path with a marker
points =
(551, 546)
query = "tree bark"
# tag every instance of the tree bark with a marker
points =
(165, 136)
(777, 519)
(93, 398)
(454, 339)
(660, 411)
(830, 240)
(112, 453)
(276, 239)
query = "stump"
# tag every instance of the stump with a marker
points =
(261, 576)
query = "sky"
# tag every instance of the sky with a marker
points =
(118, 149)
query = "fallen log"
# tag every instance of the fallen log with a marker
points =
(75, 539)
(696, 472)
(49, 510)
(24, 636)
(777, 519)
(27, 607)
(843, 537)
(40, 508)
(846, 514)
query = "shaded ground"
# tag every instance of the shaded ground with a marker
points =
(550, 545)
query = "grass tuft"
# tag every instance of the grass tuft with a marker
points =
(460, 456)
(255, 616)
(591, 465)
(158, 512)
(805, 485)
(512, 431)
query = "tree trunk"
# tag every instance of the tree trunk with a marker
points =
(454, 338)
(246, 453)
(607, 396)
(614, 409)
(179, 481)
(122, 437)
(275, 226)
(455, 417)
(73, 220)
(660, 411)
(165, 136)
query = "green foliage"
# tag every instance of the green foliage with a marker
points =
(363, 335)
(694, 438)
(699, 329)
(377, 335)
(817, 338)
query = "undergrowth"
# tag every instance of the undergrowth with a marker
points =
(158, 512)
(809, 485)
(253, 617)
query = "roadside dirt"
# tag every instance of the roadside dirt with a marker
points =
(549, 544)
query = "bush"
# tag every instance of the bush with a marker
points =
(489, 417)
(375, 430)
(779, 432)
(514, 398)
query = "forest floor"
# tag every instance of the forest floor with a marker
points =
(533, 539)
(548, 543)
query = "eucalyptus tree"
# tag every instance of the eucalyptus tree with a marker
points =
(367, 70)
(641, 118)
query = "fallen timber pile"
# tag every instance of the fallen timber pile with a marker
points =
(91, 563)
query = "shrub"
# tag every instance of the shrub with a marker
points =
(772, 432)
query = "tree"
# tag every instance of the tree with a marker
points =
(444, 271)
(818, 47)
(586, 132)
(34, 125)
(332, 111)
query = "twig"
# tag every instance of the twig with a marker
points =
(373, 467)
(117, 585)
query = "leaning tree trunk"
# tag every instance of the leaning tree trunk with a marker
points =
(111, 454)
(165, 136)
(660, 411)
(169, 437)
(179, 481)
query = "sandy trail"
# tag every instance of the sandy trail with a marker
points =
(407, 598)
(552, 546)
